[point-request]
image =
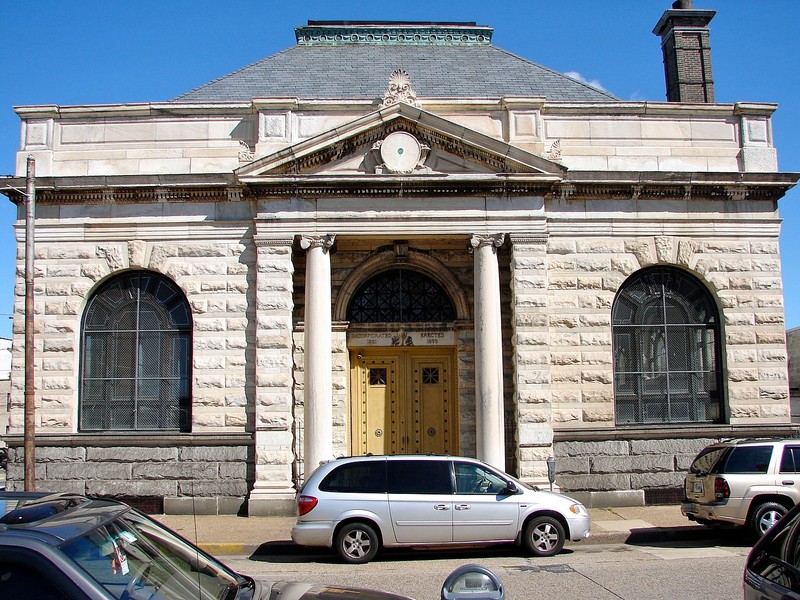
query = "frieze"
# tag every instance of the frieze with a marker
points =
(400, 338)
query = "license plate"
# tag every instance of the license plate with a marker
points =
(698, 487)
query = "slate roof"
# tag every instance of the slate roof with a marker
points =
(331, 69)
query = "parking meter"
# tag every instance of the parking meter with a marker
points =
(472, 582)
(551, 471)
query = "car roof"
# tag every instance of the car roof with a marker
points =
(56, 518)
(757, 441)
(402, 457)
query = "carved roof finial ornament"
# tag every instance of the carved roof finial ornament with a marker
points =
(399, 90)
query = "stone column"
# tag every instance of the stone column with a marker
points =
(273, 490)
(318, 434)
(489, 419)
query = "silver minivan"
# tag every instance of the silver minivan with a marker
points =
(358, 504)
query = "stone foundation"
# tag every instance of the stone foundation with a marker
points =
(182, 475)
(636, 463)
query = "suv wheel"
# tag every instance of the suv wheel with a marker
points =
(765, 516)
(544, 536)
(357, 543)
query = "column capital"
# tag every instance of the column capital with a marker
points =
(317, 241)
(494, 240)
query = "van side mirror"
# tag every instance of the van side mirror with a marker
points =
(510, 489)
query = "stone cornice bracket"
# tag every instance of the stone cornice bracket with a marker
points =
(399, 90)
(478, 240)
(735, 192)
(323, 241)
(564, 190)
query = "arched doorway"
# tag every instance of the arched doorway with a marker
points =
(403, 378)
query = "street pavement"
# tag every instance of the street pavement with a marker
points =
(232, 535)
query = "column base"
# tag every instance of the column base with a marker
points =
(272, 502)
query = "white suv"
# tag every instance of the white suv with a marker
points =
(356, 505)
(743, 482)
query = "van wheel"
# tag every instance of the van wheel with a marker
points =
(357, 543)
(765, 516)
(544, 536)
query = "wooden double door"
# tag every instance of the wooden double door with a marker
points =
(403, 401)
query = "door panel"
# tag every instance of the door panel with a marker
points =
(431, 403)
(420, 501)
(480, 512)
(374, 422)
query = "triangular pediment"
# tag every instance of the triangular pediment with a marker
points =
(437, 147)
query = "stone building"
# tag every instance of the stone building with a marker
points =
(399, 238)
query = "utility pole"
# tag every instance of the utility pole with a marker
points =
(30, 398)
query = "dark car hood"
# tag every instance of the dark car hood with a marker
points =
(296, 590)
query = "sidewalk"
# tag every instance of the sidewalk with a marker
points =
(227, 534)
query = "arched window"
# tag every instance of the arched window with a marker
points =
(136, 356)
(667, 349)
(400, 296)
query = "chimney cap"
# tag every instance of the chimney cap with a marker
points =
(683, 17)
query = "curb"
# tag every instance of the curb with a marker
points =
(649, 535)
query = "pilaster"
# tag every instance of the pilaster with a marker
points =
(531, 345)
(273, 383)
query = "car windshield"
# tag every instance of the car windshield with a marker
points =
(133, 557)
(704, 463)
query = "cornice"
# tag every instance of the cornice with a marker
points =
(325, 33)
(576, 186)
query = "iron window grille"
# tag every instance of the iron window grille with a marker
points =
(400, 296)
(667, 348)
(136, 356)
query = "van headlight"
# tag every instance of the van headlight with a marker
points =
(578, 509)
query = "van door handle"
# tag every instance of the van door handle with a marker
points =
(441, 507)
(463, 507)
(787, 482)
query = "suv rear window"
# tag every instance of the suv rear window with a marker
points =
(368, 477)
(705, 462)
(748, 459)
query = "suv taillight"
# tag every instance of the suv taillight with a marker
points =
(722, 490)
(305, 504)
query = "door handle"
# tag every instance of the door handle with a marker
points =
(787, 482)
(463, 507)
(441, 507)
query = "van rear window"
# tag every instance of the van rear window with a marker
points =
(368, 477)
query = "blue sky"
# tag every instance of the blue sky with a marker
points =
(106, 51)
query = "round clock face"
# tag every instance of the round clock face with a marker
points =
(400, 152)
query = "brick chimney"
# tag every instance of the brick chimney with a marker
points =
(687, 52)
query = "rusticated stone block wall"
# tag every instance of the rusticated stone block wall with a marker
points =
(218, 476)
